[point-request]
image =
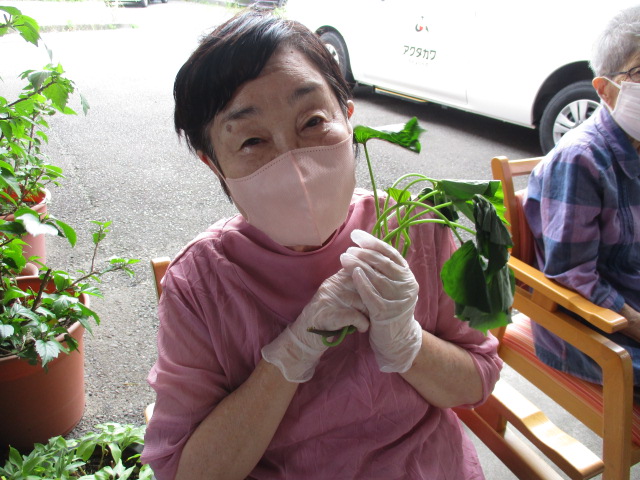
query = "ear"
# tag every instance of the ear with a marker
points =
(207, 161)
(350, 108)
(607, 92)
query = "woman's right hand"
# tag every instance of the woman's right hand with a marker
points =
(297, 351)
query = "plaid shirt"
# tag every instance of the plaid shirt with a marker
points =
(583, 207)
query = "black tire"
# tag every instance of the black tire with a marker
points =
(338, 51)
(143, 3)
(164, 1)
(567, 109)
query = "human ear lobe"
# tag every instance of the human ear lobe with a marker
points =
(350, 108)
(607, 92)
(204, 158)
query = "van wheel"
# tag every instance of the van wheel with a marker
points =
(338, 50)
(567, 109)
(144, 3)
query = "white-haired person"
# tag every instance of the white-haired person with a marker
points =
(583, 201)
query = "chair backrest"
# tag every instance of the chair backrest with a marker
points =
(159, 267)
(606, 410)
(505, 170)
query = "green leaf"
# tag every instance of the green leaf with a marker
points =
(500, 289)
(35, 227)
(38, 77)
(67, 231)
(116, 453)
(482, 321)
(398, 195)
(463, 277)
(6, 331)
(24, 312)
(14, 454)
(492, 236)
(28, 28)
(62, 280)
(13, 228)
(466, 189)
(61, 304)
(58, 94)
(8, 179)
(13, 11)
(48, 350)
(85, 449)
(437, 198)
(406, 136)
(12, 256)
(88, 313)
(85, 104)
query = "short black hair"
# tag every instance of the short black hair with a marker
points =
(234, 53)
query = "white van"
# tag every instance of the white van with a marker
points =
(522, 62)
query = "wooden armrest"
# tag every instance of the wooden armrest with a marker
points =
(606, 320)
(565, 451)
(508, 405)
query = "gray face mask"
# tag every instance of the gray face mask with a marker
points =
(627, 110)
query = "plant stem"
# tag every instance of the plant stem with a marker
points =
(43, 285)
(373, 181)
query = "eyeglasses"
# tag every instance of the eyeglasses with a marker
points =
(633, 74)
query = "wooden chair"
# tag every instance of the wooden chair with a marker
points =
(158, 267)
(607, 410)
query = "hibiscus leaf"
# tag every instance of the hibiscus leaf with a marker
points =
(34, 226)
(48, 350)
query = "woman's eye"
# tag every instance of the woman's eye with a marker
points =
(250, 142)
(314, 121)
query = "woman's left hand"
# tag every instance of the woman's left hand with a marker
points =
(389, 291)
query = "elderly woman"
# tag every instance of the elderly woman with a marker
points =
(583, 201)
(243, 388)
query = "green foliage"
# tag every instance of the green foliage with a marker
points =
(24, 169)
(408, 136)
(476, 276)
(34, 323)
(109, 453)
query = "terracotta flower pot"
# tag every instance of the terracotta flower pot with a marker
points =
(36, 246)
(36, 405)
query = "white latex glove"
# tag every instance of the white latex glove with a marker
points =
(296, 351)
(389, 292)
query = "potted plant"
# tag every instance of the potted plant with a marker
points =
(112, 451)
(25, 172)
(43, 316)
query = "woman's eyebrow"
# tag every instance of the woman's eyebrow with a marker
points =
(302, 91)
(239, 114)
(244, 112)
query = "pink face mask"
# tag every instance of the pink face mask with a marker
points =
(301, 197)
